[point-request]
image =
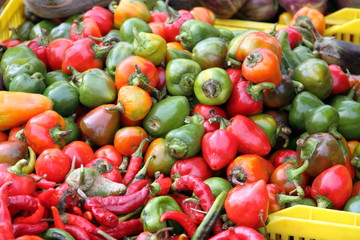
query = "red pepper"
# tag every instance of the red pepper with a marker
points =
(32, 219)
(76, 220)
(23, 202)
(244, 204)
(251, 138)
(46, 130)
(195, 166)
(161, 186)
(41, 182)
(51, 196)
(162, 78)
(235, 75)
(103, 18)
(208, 111)
(107, 169)
(273, 191)
(332, 188)
(191, 208)
(110, 152)
(238, 233)
(122, 229)
(294, 36)
(39, 47)
(6, 228)
(83, 29)
(158, 17)
(356, 189)
(340, 83)
(55, 51)
(135, 163)
(247, 98)
(81, 150)
(184, 220)
(21, 229)
(22, 184)
(173, 23)
(281, 156)
(10, 43)
(136, 186)
(83, 55)
(77, 232)
(219, 147)
(58, 223)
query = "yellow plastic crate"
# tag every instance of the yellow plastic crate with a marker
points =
(11, 16)
(313, 223)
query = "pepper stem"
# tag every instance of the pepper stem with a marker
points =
(142, 172)
(253, 58)
(140, 79)
(172, 16)
(105, 235)
(334, 132)
(294, 176)
(17, 168)
(178, 148)
(138, 152)
(298, 86)
(283, 198)
(57, 134)
(238, 176)
(356, 162)
(211, 88)
(256, 90)
(124, 164)
(323, 202)
(118, 107)
(196, 118)
(307, 147)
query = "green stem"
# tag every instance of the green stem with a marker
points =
(17, 168)
(124, 164)
(323, 202)
(256, 91)
(138, 152)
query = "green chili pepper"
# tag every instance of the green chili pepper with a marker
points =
(56, 234)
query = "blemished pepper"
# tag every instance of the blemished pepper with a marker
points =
(193, 31)
(180, 76)
(316, 77)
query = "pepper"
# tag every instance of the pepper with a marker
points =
(22, 202)
(77, 232)
(130, 9)
(41, 182)
(123, 229)
(24, 82)
(303, 53)
(210, 53)
(14, 53)
(39, 47)
(103, 18)
(173, 24)
(192, 209)
(22, 32)
(106, 168)
(239, 232)
(55, 52)
(207, 112)
(184, 220)
(218, 185)
(60, 31)
(55, 233)
(110, 152)
(83, 28)
(45, 24)
(79, 221)
(32, 219)
(340, 83)
(281, 156)
(5, 217)
(12, 151)
(161, 186)
(22, 229)
(289, 58)
(353, 204)
(195, 166)
(120, 51)
(180, 76)
(268, 124)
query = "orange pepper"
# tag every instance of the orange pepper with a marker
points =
(316, 17)
(352, 145)
(203, 14)
(285, 18)
(174, 45)
(130, 9)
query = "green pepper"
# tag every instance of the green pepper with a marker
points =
(112, 36)
(25, 82)
(185, 141)
(349, 111)
(75, 131)
(95, 88)
(322, 119)
(180, 76)
(56, 76)
(15, 53)
(218, 185)
(213, 86)
(64, 96)
(74, 17)
(316, 77)
(160, 6)
(193, 31)
(22, 32)
(172, 53)
(303, 102)
(149, 46)
(46, 24)
(60, 31)
(353, 204)
(210, 52)
(153, 210)
(303, 53)
(120, 51)
(127, 29)
(268, 124)
(226, 35)
(56, 234)
(166, 115)
(23, 65)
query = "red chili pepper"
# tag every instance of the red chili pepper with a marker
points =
(32, 219)
(195, 166)
(184, 220)
(22, 184)
(332, 188)
(281, 156)
(135, 162)
(88, 215)
(136, 186)
(79, 221)
(29, 237)
(207, 112)
(244, 204)
(173, 23)
(251, 138)
(340, 83)
(274, 190)
(122, 229)
(294, 36)
(76, 210)
(201, 190)
(39, 47)
(161, 186)
(219, 147)
(83, 29)
(238, 233)
(41, 182)
(110, 152)
(10, 43)
(23, 202)
(191, 208)
(58, 223)
(83, 55)
(158, 17)
(6, 228)
(103, 18)
(55, 51)
(106, 168)
(28, 229)
(77, 232)
(247, 98)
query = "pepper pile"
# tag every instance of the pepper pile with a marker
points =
(141, 122)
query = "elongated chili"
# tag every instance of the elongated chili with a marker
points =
(184, 220)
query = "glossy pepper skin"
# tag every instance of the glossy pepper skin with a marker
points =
(207, 112)
(210, 53)
(5, 217)
(120, 51)
(268, 124)
(195, 166)
(239, 232)
(27, 83)
(173, 24)
(15, 53)
(341, 83)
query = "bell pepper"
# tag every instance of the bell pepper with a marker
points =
(23, 65)
(348, 110)
(207, 112)
(316, 77)
(83, 28)
(55, 52)
(158, 16)
(166, 115)
(250, 200)
(39, 47)
(251, 138)
(60, 31)
(213, 86)
(22, 32)
(210, 53)
(340, 83)
(74, 128)
(193, 31)
(120, 51)
(180, 76)
(45, 24)
(173, 24)
(321, 150)
(13, 115)
(15, 53)
(281, 156)
(127, 33)
(353, 204)
(109, 151)
(173, 53)
(195, 166)
(99, 126)
(24, 82)
(268, 124)
(130, 9)
(329, 193)
(103, 18)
